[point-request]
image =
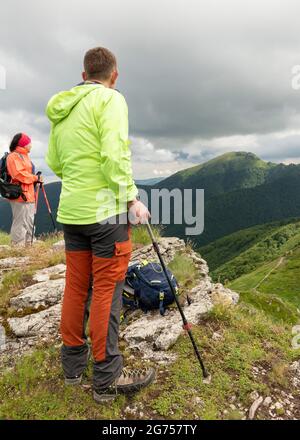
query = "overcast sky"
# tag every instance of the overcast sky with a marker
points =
(200, 77)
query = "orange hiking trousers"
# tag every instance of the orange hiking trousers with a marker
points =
(97, 257)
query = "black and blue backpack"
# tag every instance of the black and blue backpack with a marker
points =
(147, 288)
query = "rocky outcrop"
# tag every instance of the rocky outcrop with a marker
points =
(51, 272)
(44, 294)
(168, 247)
(222, 295)
(151, 333)
(44, 323)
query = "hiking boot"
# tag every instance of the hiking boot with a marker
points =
(132, 380)
(75, 380)
(129, 381)
(106, 394)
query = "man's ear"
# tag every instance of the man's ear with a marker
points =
(84, 76)
(114, 77)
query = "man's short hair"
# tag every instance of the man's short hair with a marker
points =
(99, 63)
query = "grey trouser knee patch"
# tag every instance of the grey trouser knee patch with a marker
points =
(74, 359)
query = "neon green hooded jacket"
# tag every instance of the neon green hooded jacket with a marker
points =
(89, 150)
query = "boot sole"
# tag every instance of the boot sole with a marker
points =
(132, 388)
(101, 398)
(73, 381)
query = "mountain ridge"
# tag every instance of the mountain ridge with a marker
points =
(240, 190)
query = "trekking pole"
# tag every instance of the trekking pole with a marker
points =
(40, 185)
(48, 206)
(35, 211)
(186, 324)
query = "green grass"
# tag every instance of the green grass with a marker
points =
(34, 388)
(227, 248)
(4, 238)
(272, 305)
(140, 235)
(184, 270)
(51, 237)
(284, 282)
(252, 279)
(277, 295)
(257, 332)
(12, 282)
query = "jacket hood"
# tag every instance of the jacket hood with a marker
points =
(60, 105)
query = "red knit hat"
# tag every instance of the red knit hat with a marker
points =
(24, 140)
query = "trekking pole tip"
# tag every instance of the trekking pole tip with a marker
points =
(206, 378)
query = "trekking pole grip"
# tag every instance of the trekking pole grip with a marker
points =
(39, 175)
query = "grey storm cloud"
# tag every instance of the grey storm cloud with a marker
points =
(188, 69)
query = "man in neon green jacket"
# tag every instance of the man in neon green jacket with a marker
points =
(89, 150)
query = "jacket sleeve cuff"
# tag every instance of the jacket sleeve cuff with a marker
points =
(132, 193)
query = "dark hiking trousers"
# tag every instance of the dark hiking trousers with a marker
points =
(97, 257)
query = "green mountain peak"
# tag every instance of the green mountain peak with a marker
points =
(227, 172)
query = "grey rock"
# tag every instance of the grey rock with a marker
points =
(196, 258)
(254, 396)
(44, 323)
(157, 332)
(45, 274)
(216, 336)
(168, 247)
(59, 245)
(267, 401)
(254, 407)
(223, 295)
(198, 401)
(295, 367)
(12, 262)
(45, 294)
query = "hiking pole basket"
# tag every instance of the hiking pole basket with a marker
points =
(186, 324)
(40, 185)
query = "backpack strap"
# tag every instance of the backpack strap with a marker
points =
(22, 194)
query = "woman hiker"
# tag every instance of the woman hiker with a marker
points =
(21, 170)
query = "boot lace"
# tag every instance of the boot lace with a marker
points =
(133, 372)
